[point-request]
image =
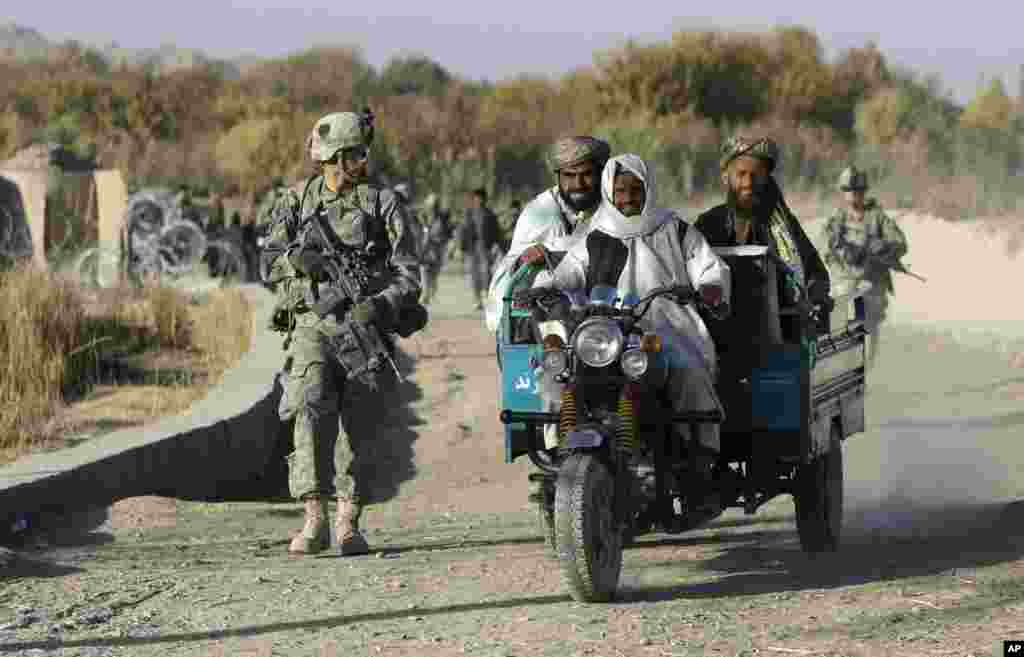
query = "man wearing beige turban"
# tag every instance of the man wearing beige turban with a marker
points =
(756, 213)
(546, 226)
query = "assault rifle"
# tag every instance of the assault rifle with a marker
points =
(903, 270)
(362, 349)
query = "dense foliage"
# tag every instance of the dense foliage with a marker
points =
(672, 102)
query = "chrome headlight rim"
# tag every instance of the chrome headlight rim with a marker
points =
(587, 330)
(555, 361)
(635, 372)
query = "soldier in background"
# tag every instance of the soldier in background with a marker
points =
(437, 232)
(864, 244)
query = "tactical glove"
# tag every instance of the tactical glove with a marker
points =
(374, 310)
(309, 263)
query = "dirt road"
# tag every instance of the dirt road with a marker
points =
(931, 565)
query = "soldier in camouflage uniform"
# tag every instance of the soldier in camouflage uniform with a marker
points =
(373, 221)
(437, 231)
(864, 244)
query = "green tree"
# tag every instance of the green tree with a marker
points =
(413, 74)
(992, 109)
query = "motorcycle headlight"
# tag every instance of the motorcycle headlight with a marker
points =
(598, 342)
(555, 361)
(634, 363)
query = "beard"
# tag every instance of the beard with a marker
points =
(762, 202)
(580, 201)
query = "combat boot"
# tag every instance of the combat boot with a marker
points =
(315, 536)
(346, 528)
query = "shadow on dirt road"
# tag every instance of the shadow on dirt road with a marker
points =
(387, 432)
(930, 541)
(314, 624)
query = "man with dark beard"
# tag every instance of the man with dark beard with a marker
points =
(544, 231)
(545, 228)
(756, 213)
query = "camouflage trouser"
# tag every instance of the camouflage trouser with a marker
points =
(325, 460)
(429, 272)
(431, 262)
(876, 305)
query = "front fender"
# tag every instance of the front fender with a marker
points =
(586, 438)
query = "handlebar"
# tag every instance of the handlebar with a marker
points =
(548, 296)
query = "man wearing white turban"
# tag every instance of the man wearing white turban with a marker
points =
(636, 246)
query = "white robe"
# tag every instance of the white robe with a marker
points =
(541, 222)
(657, 257)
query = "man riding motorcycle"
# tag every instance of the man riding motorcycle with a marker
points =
(635, 246)
(548, 222)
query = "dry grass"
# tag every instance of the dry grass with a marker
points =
(40, 328)
(79, 359)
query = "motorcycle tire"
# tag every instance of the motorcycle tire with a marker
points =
(589, 543)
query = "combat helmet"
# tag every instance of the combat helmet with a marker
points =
(337, 131)
(852, 179)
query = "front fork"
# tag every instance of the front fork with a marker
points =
(617, 444)
(622, 504)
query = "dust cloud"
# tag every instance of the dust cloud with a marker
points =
(943, 445)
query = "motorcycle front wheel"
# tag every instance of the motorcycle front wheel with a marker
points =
(589, 543)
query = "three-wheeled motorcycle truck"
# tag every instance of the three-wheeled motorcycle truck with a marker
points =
(582, 398)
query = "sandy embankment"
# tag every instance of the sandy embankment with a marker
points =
(971, 271)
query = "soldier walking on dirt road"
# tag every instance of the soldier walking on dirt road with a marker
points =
(437, 231)
(865, 244)
(371, 225)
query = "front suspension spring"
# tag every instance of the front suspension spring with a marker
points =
(626, 431)
(567, 418)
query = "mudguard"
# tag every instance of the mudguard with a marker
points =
(584, 439)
